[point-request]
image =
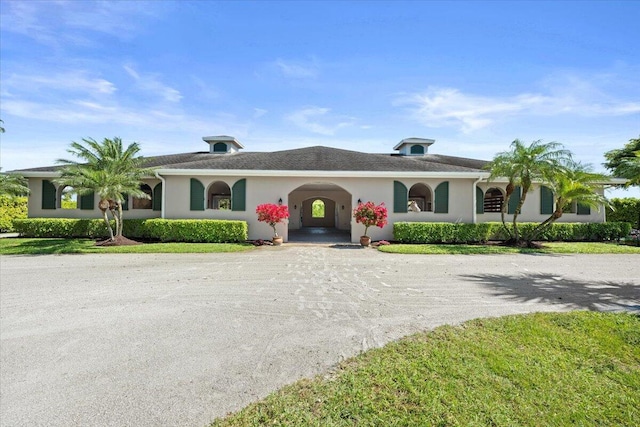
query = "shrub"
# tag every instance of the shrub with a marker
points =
(435, 232)
(166, 230)
(441, 232)
(197, 230)
(11, 208)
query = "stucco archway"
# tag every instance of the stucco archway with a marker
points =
(334, 219)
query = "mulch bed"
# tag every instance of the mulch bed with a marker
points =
(118, 241)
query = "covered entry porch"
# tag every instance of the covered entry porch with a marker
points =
(319, 212)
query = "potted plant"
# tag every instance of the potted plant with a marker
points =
(273, 214)
(368, 214)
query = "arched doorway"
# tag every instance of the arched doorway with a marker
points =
(319, 212)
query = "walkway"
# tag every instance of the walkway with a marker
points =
(319, 235)
(177, 339)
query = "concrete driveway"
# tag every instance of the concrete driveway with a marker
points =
(177, 340)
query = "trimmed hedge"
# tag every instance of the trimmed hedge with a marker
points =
(443, 232)
(11, 208)
(165, 230)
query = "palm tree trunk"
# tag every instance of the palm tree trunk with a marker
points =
(106, 221)
(503, 211)
(103, 205)
(119, 233)
(543, 226)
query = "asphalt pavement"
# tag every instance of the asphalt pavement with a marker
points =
(179, 339)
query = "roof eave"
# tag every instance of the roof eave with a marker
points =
(321, 173)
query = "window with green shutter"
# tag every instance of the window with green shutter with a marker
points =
(48, 195)
(87, 201)
(479, 200)
(239, 195)
(157, 197)
(546, 201)
(442, 198)
(514, 200)
(400, 197)
(197, 195)
(583, 209)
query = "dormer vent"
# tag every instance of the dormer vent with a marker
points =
(414, 146)
(222, 144)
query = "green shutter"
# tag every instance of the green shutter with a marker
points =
(197, 195)
(442, 198)
(546, 201)
(48, 195)
(479, 200)
(583, 209)
(125, 203)
(400, 197)
(157, 197)
(514, 200)
(239, 195)
(87, 201)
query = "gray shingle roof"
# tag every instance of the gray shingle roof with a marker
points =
(316, 158)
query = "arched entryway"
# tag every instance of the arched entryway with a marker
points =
(319, 212)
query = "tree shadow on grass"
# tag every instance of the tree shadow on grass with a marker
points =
(550, 289)
(49, 246)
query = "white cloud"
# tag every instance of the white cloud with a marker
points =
(58, 23)
(563, 95)
(151, 83)
(259, 112)
(298, 70)
(74, 81)
(309, 119)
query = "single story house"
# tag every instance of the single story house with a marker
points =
(228, 183)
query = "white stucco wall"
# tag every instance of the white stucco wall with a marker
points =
(531, 209)
(266, 189)
(35, 210)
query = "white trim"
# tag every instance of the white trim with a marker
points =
(164, 194)
(318, 173)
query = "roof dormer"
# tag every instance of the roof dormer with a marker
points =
(414, 146)
(222, 144)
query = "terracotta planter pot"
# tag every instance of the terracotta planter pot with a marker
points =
(277, 240)
(365, 240)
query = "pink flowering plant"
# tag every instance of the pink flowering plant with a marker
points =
(272, 214)
(369, 215)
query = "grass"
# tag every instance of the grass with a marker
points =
(10, 246)
(548, 248)
(579, 368)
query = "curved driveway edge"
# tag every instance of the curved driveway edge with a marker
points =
(175, 339)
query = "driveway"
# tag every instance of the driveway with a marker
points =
(168, 339)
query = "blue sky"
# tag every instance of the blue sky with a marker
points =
(281, 75)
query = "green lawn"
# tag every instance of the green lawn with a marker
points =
(579, 368)
(548, 248)
(85, 246)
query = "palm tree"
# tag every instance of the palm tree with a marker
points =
(12, 184)
(576, 184)
(108, 170)
(523, 165)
